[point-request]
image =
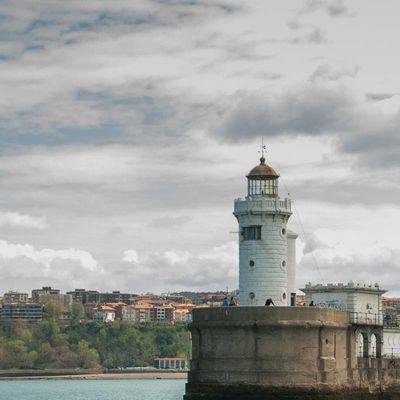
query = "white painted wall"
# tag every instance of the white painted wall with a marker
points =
(363, 303)
(268, 278)
(291, 262)
(328, 299)
(391, 342)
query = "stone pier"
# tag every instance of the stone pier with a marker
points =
(254, 353)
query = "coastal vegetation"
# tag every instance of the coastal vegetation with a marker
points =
(81, 343)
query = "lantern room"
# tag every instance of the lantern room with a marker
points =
(262, 180)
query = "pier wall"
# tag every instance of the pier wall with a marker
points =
(282, 352)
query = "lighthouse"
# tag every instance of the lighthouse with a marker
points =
(266, 262)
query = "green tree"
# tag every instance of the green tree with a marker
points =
(54, 309)
(77, 312)
(46, 330)
(89, 344)
(14, 354)
(87, 357)
(46, 357)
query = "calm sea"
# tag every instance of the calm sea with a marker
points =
(134, 389)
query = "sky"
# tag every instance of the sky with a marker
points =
(127, 129)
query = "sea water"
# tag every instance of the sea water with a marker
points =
(102, 389)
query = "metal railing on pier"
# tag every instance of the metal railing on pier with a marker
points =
(362, 318)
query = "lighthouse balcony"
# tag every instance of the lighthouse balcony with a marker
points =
(262, 205)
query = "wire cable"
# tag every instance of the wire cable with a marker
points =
(313, 256)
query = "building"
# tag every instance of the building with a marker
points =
(391, 311)
(264, 260)
(116, 297)
(362, 302)
(163, 314)
(117, 308)
(15, 297)
(365, 306)
(93, 296)
(47, 291)
(137, 313)
(128, 313)
(27, 312)
(47, 294)
(335, 346)
(104, 314)
(85, 296)
(90, 309)
(170, 363)
(182, 316)
(291, 266)
(144, 313)
(286, 353)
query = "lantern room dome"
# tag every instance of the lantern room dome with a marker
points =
(262, 171)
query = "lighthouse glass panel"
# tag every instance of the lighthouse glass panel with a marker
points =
(263, 187)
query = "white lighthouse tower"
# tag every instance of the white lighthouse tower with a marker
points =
(263, 240)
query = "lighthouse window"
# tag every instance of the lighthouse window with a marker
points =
(251, 263)
(252, 232)
(252, 296)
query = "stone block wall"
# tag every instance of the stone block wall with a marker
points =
(270, 347)
(255, 353)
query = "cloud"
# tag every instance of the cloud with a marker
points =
(174, 270)
(307, 110)
(334, 8)
(45, 257)
(169, 221)
(130, 256)
(103, 72)
(380, 96)
(355, 187)
(109, 116)
(17, 220)
(22, 267)
(325, 72)
(313, 36)
(356, 126)
(339, 256)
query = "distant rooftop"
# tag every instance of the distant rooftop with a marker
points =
(350, 286)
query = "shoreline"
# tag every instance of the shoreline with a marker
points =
(95, 375)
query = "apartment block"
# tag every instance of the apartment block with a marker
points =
(93, 296)
(28, 312)
(15, 297)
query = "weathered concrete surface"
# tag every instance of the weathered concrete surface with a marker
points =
(285, 393)
(279, 353)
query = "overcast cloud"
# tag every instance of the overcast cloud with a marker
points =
(127, 129)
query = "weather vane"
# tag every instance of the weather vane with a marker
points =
(263, 147)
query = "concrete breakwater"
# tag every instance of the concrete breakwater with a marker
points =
(251, 353)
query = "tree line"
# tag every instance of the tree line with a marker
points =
(88, 344)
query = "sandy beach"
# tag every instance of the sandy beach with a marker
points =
(92, 376)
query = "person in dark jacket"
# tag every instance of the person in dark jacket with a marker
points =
(232, 303)
(269, 302)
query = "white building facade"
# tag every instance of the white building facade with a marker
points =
(291, 264)
(363, 302)
(264, 261)
(364, 305)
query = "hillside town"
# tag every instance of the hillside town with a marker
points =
(106, 307)
(170, 308)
